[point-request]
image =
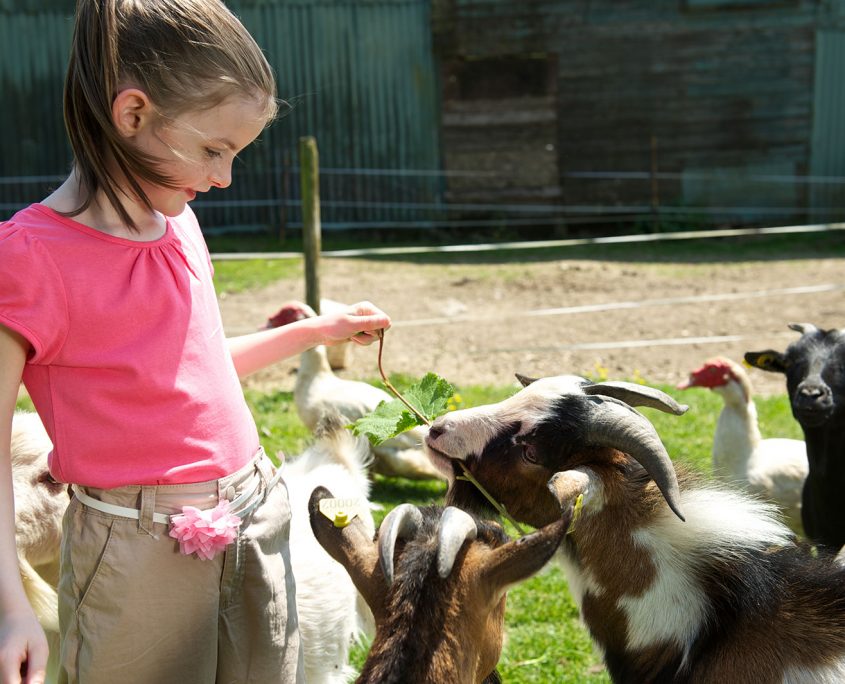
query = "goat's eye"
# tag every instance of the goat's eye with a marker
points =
(46, 478)
(529, 455)
(49, 481)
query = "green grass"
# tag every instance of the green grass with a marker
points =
(545, 641)
(231, 277)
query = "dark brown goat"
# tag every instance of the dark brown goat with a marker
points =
(814, 366)
(725, 595)
(439, 607)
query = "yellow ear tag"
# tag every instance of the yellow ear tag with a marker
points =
(576, 512)
(342, 511)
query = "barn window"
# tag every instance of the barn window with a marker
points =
(495, 77)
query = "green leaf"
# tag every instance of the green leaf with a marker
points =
(430, 395)
(390, 418)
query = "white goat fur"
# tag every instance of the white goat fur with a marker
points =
(38, 516)
(719, 523)
(332, 614)
(39, 508)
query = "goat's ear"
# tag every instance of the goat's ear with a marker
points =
(352, 547)
(567, 485)
(524, 380)
(803, 328)
(519, 559)
(768, 360)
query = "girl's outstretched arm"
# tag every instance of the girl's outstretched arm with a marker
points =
(22, 641)
(360, 323)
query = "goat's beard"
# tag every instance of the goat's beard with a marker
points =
(465, 495)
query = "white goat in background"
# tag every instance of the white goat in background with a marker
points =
(332, 614)
(40, 503)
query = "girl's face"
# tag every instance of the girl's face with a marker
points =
(197, 149)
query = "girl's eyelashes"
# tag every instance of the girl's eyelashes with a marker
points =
(212, 153)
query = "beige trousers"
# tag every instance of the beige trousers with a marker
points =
(134, 610)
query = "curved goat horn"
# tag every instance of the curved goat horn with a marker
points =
(637, 395)
(401, 523)
(802, 328)
(615, 424)
(456, 526)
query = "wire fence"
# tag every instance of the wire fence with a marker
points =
(370, 198)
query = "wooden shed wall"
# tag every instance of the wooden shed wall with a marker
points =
(719, 99)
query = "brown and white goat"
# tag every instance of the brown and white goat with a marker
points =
(725, 596)
(439, 607)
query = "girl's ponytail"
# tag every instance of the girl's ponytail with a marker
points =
(184, 54)
(90, 85)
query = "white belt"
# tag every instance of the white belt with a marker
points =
(239, 506)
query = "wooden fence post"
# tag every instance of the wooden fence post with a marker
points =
(309, 179)
(655, 193)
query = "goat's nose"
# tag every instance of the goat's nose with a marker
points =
(435, 431)
(438, 427)
(812, 391)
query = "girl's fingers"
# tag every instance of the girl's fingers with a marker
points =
(364, 338)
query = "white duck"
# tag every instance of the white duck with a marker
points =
(318, 391)
(774, 468)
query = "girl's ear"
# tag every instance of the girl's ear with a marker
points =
(131, 110)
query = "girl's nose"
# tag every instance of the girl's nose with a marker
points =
(221, 175)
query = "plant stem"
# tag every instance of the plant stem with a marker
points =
(467, 475)
(389, 386)
(500, 508)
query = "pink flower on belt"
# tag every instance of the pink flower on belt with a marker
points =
(204, 532)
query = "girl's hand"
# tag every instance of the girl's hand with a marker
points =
(360, 323)
(23, 649)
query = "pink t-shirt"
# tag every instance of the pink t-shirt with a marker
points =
(129, 371)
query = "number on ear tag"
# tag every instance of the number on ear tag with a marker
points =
(342, 511)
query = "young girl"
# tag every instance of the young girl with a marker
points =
(175, 565)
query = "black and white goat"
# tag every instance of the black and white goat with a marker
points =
(709, 588)
(436, 582)
(814, 366)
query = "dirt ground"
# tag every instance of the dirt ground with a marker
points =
(478, 324)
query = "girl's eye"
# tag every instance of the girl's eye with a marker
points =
(212, 154)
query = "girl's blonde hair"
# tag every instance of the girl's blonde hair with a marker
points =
(186, 55)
